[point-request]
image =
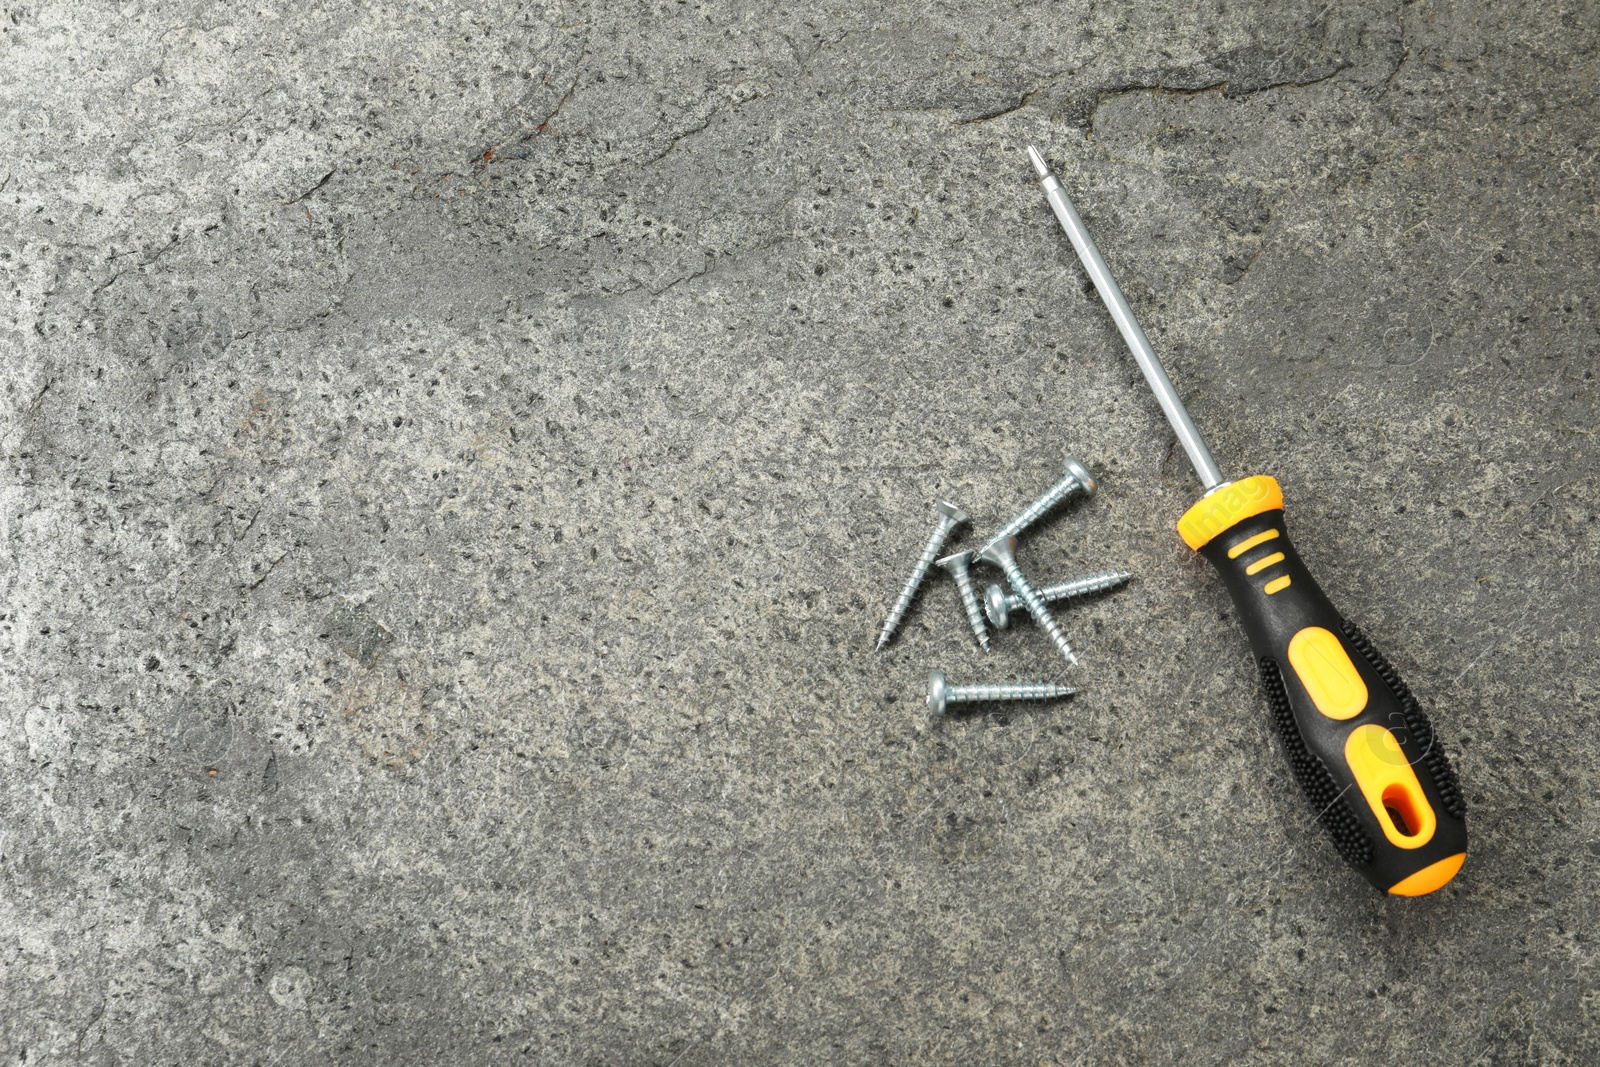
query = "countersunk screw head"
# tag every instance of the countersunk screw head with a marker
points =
(937, 691)
(999, 552)
(951, 512)
(996, 607)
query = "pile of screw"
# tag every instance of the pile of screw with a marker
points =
(998, 604)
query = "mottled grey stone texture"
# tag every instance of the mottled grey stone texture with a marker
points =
(456, 458)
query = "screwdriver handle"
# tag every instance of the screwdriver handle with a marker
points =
(1362, 750)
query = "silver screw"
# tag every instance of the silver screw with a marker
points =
(999, 604)
(1076, 478)
(1000, 555)
(941, 694)
(949, 517)
(957, 564)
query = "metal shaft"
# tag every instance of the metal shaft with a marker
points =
(1122, 315)
(1036, 607)
(1001, 556)
(995, 692)
(950, 517)
(999, 604)
(1094, 583)
(941, 694)
(957, 565)
(1077, 479)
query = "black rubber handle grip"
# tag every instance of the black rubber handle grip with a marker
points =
(1362, 750)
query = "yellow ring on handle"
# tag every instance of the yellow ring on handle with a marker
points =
(1229, 505)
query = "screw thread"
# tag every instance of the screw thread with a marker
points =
(908, 593)
(1035, 511)
(988, 692)
(969, 600)
(1041, 614)
(1076, 587)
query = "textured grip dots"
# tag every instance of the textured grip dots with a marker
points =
(1433, 759)
(1333, 809)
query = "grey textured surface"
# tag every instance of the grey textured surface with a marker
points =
(456, 458)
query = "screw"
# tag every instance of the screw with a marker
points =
(941, 694)
(949, 517)
(998, 604)
(957, 564)
(1000, 555)
(1076, 478)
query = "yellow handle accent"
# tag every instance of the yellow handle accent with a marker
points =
(1390, 786)
(1211, 515)
(1430, 877)
(1250, 542)
(1264, 562)
(1324, 668)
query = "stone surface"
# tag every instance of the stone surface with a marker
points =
(456, 458)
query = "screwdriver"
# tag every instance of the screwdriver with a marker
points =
(1361, 749)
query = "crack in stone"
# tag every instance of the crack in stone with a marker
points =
(40, 397)
(577, 74)
(700, 127)
(482, 159)
(169, 246)
(712, 261)
(1027, 98)
(1236, 84)
(1405, 49)
(320, 183)
(1222, 85)
(270, 568)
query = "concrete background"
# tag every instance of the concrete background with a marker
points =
(456, 458)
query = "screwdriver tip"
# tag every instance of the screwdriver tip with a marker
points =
(1038, 162)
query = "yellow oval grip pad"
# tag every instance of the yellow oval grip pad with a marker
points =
(1324, 668)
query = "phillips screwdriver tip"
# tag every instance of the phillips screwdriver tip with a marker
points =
(1038, 162)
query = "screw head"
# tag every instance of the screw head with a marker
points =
(937, 690)
(1081, 473)
(951, 512)
(957, 560)
(1000, 553)
(995, 606)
